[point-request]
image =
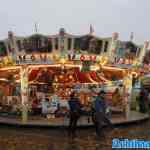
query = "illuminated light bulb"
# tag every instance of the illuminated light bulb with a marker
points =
(61, 76)
(56, 79)
(62, 60)
(70, 77)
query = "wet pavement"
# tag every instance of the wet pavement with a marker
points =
(12, 138)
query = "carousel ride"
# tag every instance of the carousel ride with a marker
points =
(24, 76)
(23, 81)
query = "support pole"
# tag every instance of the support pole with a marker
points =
(127, 83)
(24, 92)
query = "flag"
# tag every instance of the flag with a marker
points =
(131, 36)
(91, 29)
(36, 27)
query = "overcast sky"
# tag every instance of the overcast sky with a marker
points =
(106, 17)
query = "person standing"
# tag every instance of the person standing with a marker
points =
(74, 114)
(99, 116)
(149, 102)
(143, 100)
(45, 106)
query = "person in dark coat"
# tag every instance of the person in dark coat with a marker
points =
(74, 114)
(99, 116)
(143, 100)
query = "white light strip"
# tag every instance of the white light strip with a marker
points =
(94, 68)
(57, 65)
(45, 65)
(10, 68)
(113, 68)
(79, 83)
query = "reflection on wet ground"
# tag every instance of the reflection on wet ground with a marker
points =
(52, 139)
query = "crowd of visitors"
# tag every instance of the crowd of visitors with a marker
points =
(100, 113)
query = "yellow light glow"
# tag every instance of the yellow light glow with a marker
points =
(61, 76)
(62, 60)
(70, 77)
(95, 67)
(103, 60)
(3, 79)
(134, 73)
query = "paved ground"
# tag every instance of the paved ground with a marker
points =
(50, 139)
(13, 138)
